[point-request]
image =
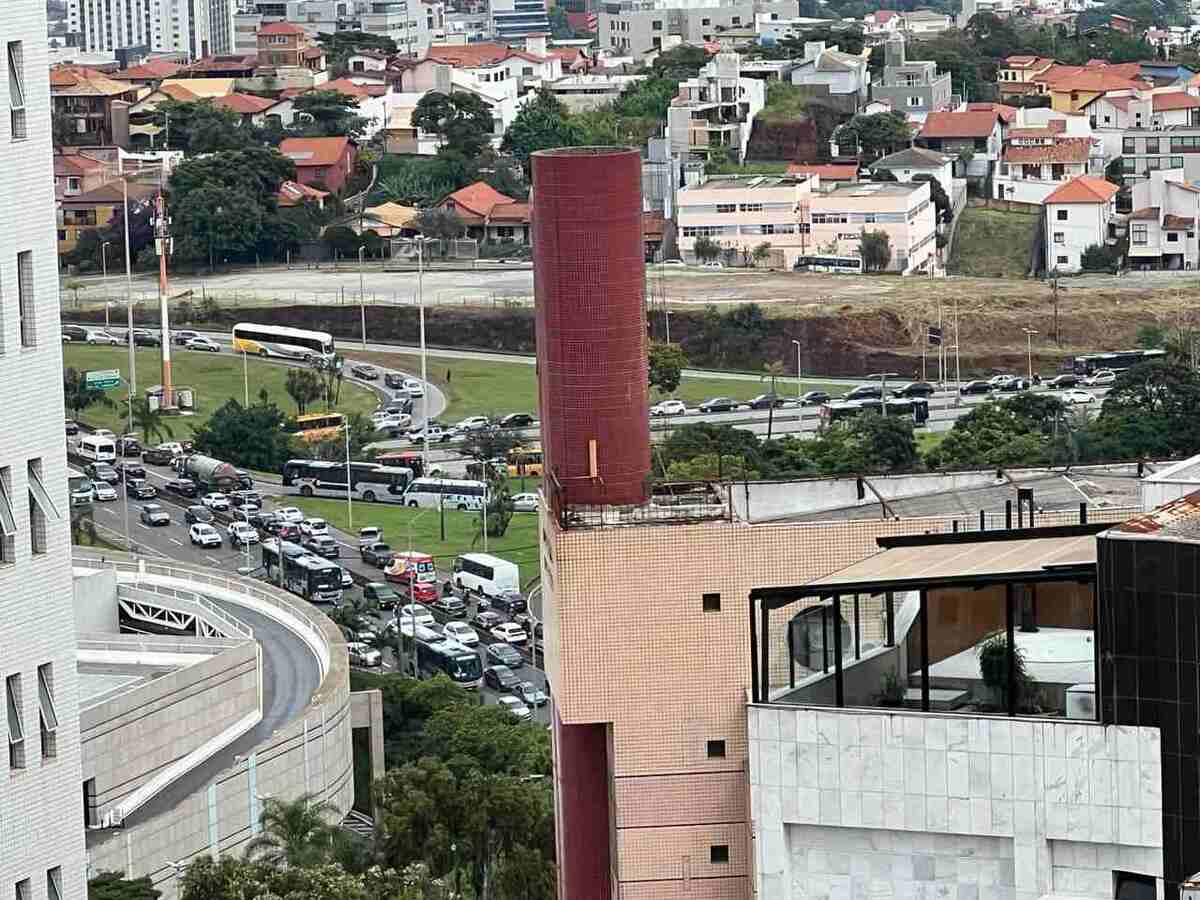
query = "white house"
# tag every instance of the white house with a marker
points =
(842, 73)
(1078, 215)
(1162, 226)
(913, 161)
(1037, 160)
(492, 63)
(716, 109)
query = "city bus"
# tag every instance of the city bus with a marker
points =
(369, 481)
(403, 459)
(525, 461)
(316, 580)
(446, 493)
(916, 408)
(314, 347)
(852, 265)
(1116, 360)
(315, 427)
(436, 655)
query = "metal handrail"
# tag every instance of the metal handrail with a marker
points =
(138, 643)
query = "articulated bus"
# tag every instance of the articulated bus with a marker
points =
(525, 461)
(368, 481)
(916, 409)
(436, 655)
(314, 347)
(1116, 360)
(315, 427)
(311, 577)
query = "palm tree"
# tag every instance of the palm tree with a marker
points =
(152, 423)
(295, 834)
(773, 370)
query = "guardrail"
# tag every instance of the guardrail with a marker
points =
(234, 625)
(124, 643)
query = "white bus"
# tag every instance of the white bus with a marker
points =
(98, 448)
(836, 264)
(486, 575)
(368, 481)
(446, 493)
(314, 347)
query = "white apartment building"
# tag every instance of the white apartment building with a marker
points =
(1079, 214)
(42, 838)
(515, 19)
(412, 24)
(716, 109)
(196, 27)
(843, 73)
(1162, 226)
(1038, 160)
(636, 27)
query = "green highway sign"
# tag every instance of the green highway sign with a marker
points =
(103, 379)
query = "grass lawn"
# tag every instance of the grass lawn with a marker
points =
(519, 543)
(215, 377)
(927, 440)
(991, 243)
(484, 387)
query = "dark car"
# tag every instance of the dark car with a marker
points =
(377, 554)
(718, 404)
(102, 472)
(510, 602)
(1058, 382)
(502, 678)
(383, 594)
(245, 482)
(261, 520)
(322, 545)
(1012, 383)
(814, 398)
(153, 514)
(72, 428)
(505, 654)
(766, 401)
(131, 470)
(975, 387)
(517, 420)
(184, 487)
(197, 514)
(486, 620)
(917, 389)
(865, 392)
(128, 446)
(156, 456)
(393, 380)
(140, 489)
(450, 605)
(146, 339)
(240, 499)
(364, 371)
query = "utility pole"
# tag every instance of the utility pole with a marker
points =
(129, 297)
(163, 247)
(1054, 294)
(1029, 333)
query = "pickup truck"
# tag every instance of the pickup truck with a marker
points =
(377, 554)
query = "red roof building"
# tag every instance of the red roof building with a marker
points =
(489, 215)
(245, 105)
(1064, 150)
(293, 193)
(826, 172)
(325, 162)
(972, 124)
(1084, 189)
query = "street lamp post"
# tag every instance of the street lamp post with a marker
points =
(129, 297)
(362, 303)
(883, 377)
(799, 383)
(424, 360)
(349, 505)
(104, 265)
(667, 317)
(1029, 333)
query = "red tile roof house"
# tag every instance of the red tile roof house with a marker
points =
(490, 217)
(979, 132)
(326, 163)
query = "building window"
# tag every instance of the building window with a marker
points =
(705, 22)
(1128, 886)
(1128, 164)
(47, 715)
(24, 890)
(1107, 119)
(41, 507)
(1062, 260)
(1061, 215)
(656, 25)
(752, 207)
(718, 854)
(1138, 234)
(25, 298)
(726, 207)
(1176, 162)
(716, 749)
(1172, 237)
(736, 20)
(914, 101)
(1127, 145)
(1151, 145)
(54, 883)
(712, 602)
(1059, 237)
(72, 185)
(16, 89)
(8, 522)
(16, 733)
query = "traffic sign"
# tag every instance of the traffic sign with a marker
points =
(103, 379)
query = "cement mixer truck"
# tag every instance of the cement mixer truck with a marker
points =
(208, 473)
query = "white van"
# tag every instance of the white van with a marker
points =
(98, 448)
(485, 574)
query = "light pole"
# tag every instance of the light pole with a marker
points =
(424, 364)
(129, 297)
(245, 377)
(799, 383)
(362, 303)
(349, 505)
(957, 367)
(104, 266)
(667, 316)
(1029, 333)
(883, 377)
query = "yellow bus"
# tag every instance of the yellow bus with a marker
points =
(314, 427)
(525, 461)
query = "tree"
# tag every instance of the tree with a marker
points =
(304, 387)
(1151, 337)
(875, 247)
(489, 443)
(327, 114)
(198, 126)
(295, 833)
(867, 443)
(462, 120)
(77, 396)
(726, 443)
(937, 194)
(115, 886)
(706, 249)
(441, 223)
(876, 134)
(762, 252)
(1099, 258)
(342, 240)
(542, 124)
(249, 436)
(667, 362)
(339, 45)
(151, 422)
(1019, 430)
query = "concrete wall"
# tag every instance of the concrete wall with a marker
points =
(132, 737)
(96, 603)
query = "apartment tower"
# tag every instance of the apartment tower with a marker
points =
(198, 28)
(42, 841)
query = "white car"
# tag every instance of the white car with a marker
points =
(516, 707)
(102, 337)
(525, 502)
(435, 433)
(510, 633)
(462, 632)
(202, 343)
(713, 264)
(1103, 377)
(363, 655)
(313, 527)
(390, 421)
(243, 534)
(674, 263)
(216, 501)
(473, 423)
(1076, 396)
(415, 612)
(102, 490)
(668, 408)
(204, 535)
(174, 447)
(414, 388)
(104, 433)
(532, 694)
(290, 515)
